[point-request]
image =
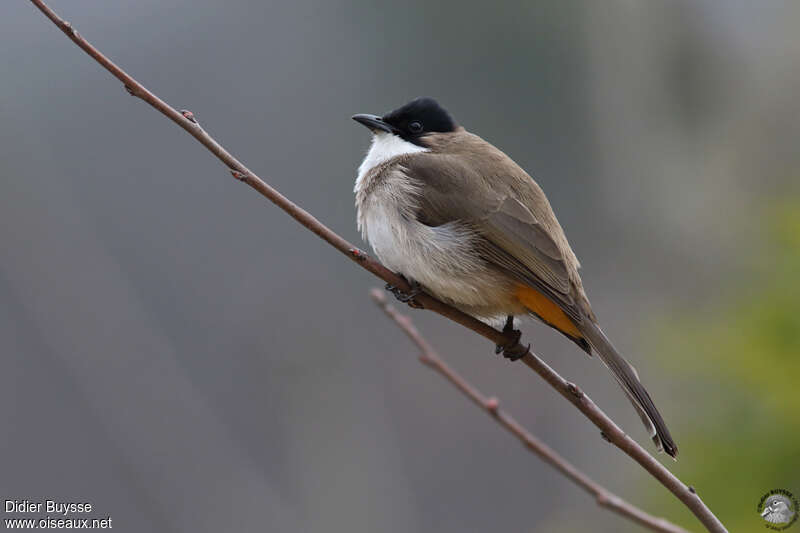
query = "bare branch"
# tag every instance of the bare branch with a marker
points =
(609, 429)
(602, 496)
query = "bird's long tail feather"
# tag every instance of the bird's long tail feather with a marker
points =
(628, 379)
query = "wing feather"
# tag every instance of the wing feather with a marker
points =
(512, 237)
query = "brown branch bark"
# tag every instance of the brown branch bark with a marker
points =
(604, 498)
(186, 120)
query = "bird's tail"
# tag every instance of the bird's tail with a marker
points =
(628, 379)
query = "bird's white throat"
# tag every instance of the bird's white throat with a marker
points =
(385, 146)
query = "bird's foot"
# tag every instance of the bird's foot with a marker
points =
(513, 350)
(407, 297)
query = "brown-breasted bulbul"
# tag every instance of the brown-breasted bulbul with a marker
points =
(457, 217)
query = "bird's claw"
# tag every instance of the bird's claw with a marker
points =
(512, 350)
(407, 297)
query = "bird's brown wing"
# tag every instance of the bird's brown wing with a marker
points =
(510, 236)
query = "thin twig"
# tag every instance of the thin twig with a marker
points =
(239, 171)
(604, 498)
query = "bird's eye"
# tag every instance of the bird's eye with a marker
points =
(415, 127)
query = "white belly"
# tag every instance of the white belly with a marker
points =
(441, 258)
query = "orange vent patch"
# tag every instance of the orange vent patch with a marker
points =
(544, 308)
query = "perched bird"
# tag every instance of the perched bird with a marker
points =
(459, 219)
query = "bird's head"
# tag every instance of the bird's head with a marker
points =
(414, 122)
(777, 511)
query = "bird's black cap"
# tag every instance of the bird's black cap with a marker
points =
(413, 120)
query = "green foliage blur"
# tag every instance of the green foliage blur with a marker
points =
(739, 431)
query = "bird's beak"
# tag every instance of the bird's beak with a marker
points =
(766, 512)
(373, 122)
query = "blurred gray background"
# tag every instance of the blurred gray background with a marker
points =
(184, 356)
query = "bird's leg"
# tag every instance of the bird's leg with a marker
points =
(407, 297)
(513, 350)
(508, 328)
